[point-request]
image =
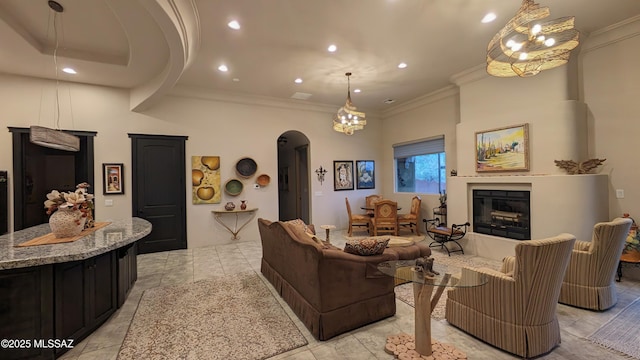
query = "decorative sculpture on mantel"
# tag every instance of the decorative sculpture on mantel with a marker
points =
(584, 167)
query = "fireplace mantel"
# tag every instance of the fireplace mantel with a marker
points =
(559, 204)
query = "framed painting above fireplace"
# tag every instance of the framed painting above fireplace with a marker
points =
(503, 149)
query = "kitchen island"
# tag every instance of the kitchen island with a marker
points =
(53, 296)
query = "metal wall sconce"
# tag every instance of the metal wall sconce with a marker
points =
(320, 171)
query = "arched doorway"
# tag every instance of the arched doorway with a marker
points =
(294, 199)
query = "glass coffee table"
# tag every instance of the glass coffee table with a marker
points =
(405, 346)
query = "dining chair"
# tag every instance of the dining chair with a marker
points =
(356, 219)
(369, 201)
(385, 217)
(411, 219)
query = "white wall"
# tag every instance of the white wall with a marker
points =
(231, 130)
(432, 115)
(611, 84)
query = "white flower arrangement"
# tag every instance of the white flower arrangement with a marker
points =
(76, 200)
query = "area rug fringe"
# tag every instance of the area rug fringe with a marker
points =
(621, 333)
(232, 317)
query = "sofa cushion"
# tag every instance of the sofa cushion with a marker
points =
(366, 246)
(301, 235)
(299, 224)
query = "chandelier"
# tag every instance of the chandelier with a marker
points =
(525, 45)
(47, 137)
(347, 119)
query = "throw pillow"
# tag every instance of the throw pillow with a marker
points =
(366, 246)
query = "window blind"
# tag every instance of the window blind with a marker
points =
(430, 146)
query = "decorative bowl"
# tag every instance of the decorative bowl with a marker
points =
(246, 167)
(233, 187)
(263, 180)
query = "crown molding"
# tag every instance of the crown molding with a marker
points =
(420, 101)
(612, 34)
(475, 73)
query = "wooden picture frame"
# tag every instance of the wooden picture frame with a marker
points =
(503, 149)
(365, 174)
(342, 175)
(113, 179)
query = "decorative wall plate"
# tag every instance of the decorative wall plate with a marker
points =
(246, 167)
(233, 187)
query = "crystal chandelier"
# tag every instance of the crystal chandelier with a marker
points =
(526, 45)
(347, 119)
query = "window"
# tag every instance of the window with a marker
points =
(421, 166)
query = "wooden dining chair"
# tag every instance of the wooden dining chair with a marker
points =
(411, 219)
(369, 201)
(356, 219)
(385, 217)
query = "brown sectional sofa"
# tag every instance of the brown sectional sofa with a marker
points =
(331, 291)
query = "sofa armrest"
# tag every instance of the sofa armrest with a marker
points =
(337, 254)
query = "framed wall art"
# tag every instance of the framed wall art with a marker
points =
(112, 179)
(205, 180)
(365, 174)
(342, 175)
(503, 149)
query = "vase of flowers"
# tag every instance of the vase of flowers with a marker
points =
(70, 211)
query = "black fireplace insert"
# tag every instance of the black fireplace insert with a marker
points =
(504, 213)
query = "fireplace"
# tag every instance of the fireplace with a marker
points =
(504, 213)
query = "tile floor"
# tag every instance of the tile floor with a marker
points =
(177, 267)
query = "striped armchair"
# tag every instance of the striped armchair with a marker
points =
(516, 310)
(589, 280)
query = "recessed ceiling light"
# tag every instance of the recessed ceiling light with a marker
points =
(234, 24)
(332, 48)
(69, 70)
(357, 90)
(298, 81)
(223, 68)
(235, 79)
(488, 18)
(389, 101)
(402, 65)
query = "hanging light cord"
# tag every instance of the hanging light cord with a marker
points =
(55, 63)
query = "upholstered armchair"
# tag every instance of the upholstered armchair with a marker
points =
(516, 310)
(411, 219)
(589, 280)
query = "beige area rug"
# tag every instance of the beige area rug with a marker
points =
(404, 292)
(234, 317)
(621, 333)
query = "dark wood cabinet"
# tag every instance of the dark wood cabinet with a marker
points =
(127, 271)
(85, 295)
(26, 310)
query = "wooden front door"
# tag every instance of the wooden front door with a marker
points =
(158, 178)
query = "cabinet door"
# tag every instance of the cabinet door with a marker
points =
(103, 295)
(71, 289)
(26, 310)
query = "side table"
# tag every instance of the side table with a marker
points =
(219, 214)
(405, 346)
(328, 229)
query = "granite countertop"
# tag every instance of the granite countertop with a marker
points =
(113, 236)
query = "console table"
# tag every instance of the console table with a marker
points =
(219, 214)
